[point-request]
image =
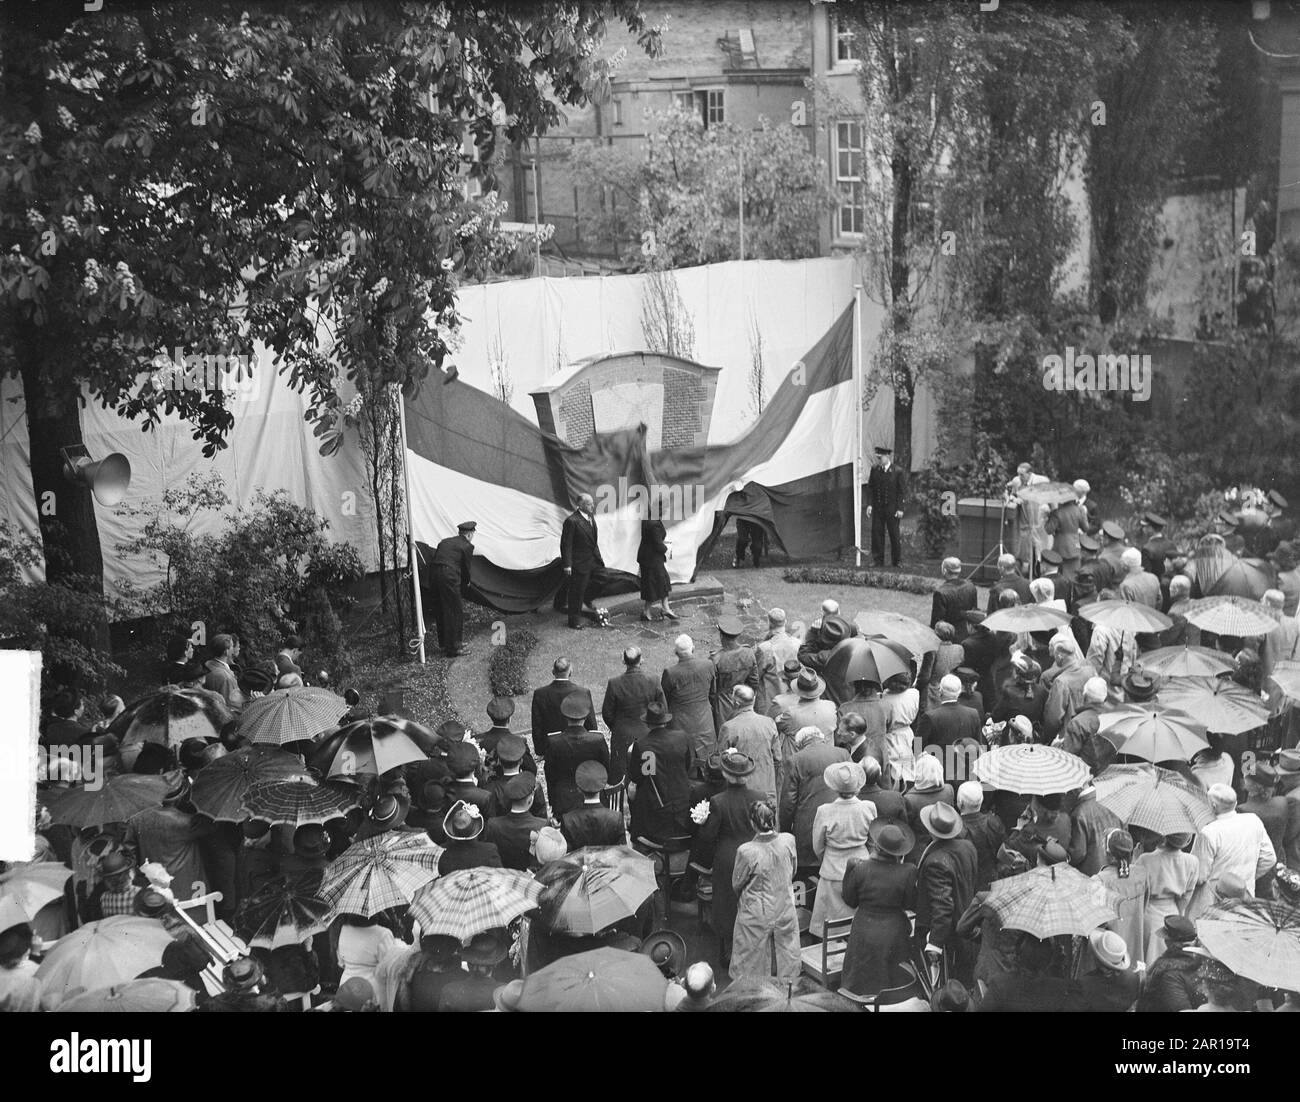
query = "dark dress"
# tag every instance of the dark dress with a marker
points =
(651, 557)
(725, 830)
(880, 892)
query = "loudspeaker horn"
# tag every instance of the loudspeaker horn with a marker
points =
(108, 478)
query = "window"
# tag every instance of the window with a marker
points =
(846, 49)
(706, 104)
(713, 111)
(618, 112)
(686, 101)
(850, 215)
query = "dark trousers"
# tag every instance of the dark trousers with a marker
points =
(577, 593)
(749, 537)
(448, 611)
(881, 520)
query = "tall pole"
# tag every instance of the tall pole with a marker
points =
(740, 200)
(411, 553)
(537, 216)
(857, 424)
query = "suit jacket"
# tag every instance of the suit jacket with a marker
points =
(496, 787)
(593, 825)
(986, 832)
(886, 489)
(1017, 583)
(1090, 822)
(952, 599)
(687, 687)
(626, 698)
(547, 717)
(889, 804)
(578, 543)
(568, 750)
(451, 559)
(948, 723)
(221, 679)
(659, 764)
(1063, 524)
(804, 791)
(511, 833)
(471, 794)
(732, 666)
(945, 881)
(489, 739)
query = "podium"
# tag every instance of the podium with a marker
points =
(982, 524)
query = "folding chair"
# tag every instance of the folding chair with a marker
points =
(824, 962)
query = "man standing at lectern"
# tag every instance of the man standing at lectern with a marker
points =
(885, 490)
(579, 554)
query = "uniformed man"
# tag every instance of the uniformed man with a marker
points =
(592, 824)
(451, 559)
(733, 665)
(1109, 569)
(1157, 548)
(885, 491)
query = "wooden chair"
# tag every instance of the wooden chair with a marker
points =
(614, 797)
(672, 861)
(824, 962)
(206, 903)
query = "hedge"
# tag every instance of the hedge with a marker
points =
(871, 579)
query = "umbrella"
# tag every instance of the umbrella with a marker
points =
(372, 746)
(1187, 661)
(610, 981)
(1052, 901)
(101, 954)
(1126, 616)
(152, 996)
(297, 803)
(1222, 705)
(170, 716)
(380, 873)
(1286, 678)
(1156, 799)
(773, 997)
(872, 658)
(291, 715)
(1256, 938)
(594, 887)
(1230, 616)
(1164, 735)
(119, 799)
(897, 628)
(1249, 579)
(1021, 618)
(221, 787)
(283, 912)
(34, 885)
(1048, 493)
(1032, 769)
(469, 901)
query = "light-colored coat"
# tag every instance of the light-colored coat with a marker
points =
(756, 737)
(766, 923)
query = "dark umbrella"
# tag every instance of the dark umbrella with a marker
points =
(372, 746)
(283, 912)
(171, 716)
(297, 803)
(608, 981)
(863, 659)
(221, 787)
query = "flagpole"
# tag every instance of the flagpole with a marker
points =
(857, 424)
(411, 553)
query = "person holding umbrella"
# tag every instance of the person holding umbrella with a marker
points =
(472, 993)
(881, 890)
(1111, 986)
(765, 941)
(21, 990)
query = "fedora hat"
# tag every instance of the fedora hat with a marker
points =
(844, 777)
(591, 777)
(576, 706)
(656, 715)
(942, 821)
(242, 974)
(1288, 761)
(668, 951)
(834, 629)
(808, 685)
(736, 764)
(895, 839)
(489, 947)
(115, 862)
(1139, 686)
(463, 823)
(1109, 949)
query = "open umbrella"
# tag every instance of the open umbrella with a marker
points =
(119, 799)
(35, 885)
(101, 954)
(1050, 494)
(894, 626)
(1155, 799)
(1126, 616)
(1020, 618)
(297, 802)
(1285, 679)
(1159, 735)
(1230, 616)
(1052, 901)
(592, 888)
(151, 996)
(1256, 938)
(1222, 705)
(1187, 661)
(608, 981)
(380, 873)
(1029, 768)
(298, 714)
(170, 716)
(870, 658)
(283, 912)
(372, 746)
(221, 787)
(469, 901)
(1249, 579)
(773, 997)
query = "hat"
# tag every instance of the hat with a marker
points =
(1088, 543)
(462, 759)
(1228, 519)
(835, 629)
(895, 839)
(1053, 558)
(736, 764)
(193, 670)
(942, 820)
(511, 749)
(1179, 929)
(102, 844)
(884, 451)
(1179, 839)
(951, 998)
(1012, 860)
(242, 974)
(1288, 761)
(974, 616)
(1109, 949)
(489, 947)
(730, 625)
(844, 777)
(1264, 773)
(258, 679)
(1284, 555)
(550, 845)
(1113, 530)
(177, 791)
(506, 997)
(591, 777)
(310, 839)
(114, 862)
(1023, 724)
(452, 730)
(354, 994)
(151, 903)
(1153, 520)
(791, 669)
(668, 951)
(1139, 686)
(1223, 797)
(384, 812)
(519, 787)
(1277, 499)
(463, 823)
(656, 715)
(576, 706)
(966, 673)
(808, 685)
(1052, 852)
(467, 526)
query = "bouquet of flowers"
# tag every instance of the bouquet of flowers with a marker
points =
(700, 812)
(602, 617)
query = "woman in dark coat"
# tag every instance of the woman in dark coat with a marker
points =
(881, 890)
(651, 557)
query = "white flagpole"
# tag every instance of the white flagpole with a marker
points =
(857, 424)
(411, 553)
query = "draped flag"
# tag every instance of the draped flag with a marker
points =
(471, 457)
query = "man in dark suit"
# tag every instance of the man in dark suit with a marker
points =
(687, 685)
(885, 491)
(512, 832)
(499, 710)
(1052, 564)
(451, 559)
(1064, 524)
(658, 782)
(626, 698)
(955, 597)
(803, 791)
(579, 554)
(1157, 548)
(546, 705)
(568, 750)
(592, 824)
(1009, 577)
(945, 879)
(288, 656)
(951, 721)
(510, 752)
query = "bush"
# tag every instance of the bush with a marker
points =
(871, 579)
(508, 666)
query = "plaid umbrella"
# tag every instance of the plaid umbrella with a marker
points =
(296, 803)
(469, 901)
(152, 996)
(1052, 901)
(1256, 938)
(1187, 661)
(610, 981)
(1162, 735)
(1156, 799)
(380, 873)
(291, 715)
(897, 628)
(283, 912)
(372, 746)
(221, 787)
(594, 887)
(1222, 705)
(1237, 616)
(101, 954)
(1126, 616)
(1021, 618)
(872, 658)
(119, 799)
(1031, 769)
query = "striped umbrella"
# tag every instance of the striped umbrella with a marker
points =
(1156, 799)
(1222, 705)
(298, 714)
(151, 996)
(1160, 735)
(1255, 938)
(1126, 616)
(1186, 661)
(1052, 901)
(380, 873)
(469, 901)
(1021, 618)
(1032, 769)
(372, 746)
(119, 799)
(1237, 616)
(221, 787)
(297, 803)
(592, 888)
(894, 626)
(283, 912)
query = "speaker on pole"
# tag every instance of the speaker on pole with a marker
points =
(108, 478)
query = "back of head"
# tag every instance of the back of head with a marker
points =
(1131, 558)
(949, 687)
(762, 816)
(684, 645)
(945, 631)
(289, 681)
(561, 667)
(1274, 599)
(951, 567)
(1094, 690)
(776, 617)
(632, 657)
(1180, 585)
(1007, 564)
(742, 695)
(830, 607)
(65, 703)
(970, 797)
(1042, 589)
(871, 769)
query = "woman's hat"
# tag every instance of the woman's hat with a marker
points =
(486, 948)
(150, 903)
(808, 685)
(591, 777)
(242, 974)
(1179, 840)
(942, 821)
(463, 823)
(1109, 948)
(736, 764)
(844, 777)
(549, 845)
(385, 812)
(895, 839)
(1180, 929)
(668, 951)
(1288, 761)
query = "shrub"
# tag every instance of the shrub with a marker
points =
(871, 579)
(508, 666)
